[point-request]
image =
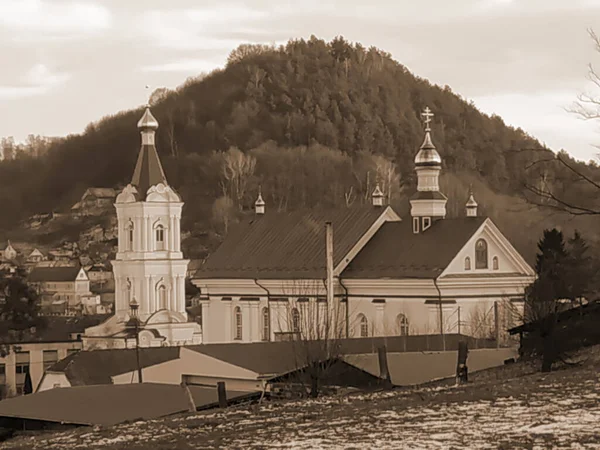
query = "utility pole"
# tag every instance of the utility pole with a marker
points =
(330, 296)
(134, 306)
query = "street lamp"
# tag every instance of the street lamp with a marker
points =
(134, 320)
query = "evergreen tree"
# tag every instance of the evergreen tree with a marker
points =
(580, 267)
(545, 294)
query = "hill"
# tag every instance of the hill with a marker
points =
(315, 124)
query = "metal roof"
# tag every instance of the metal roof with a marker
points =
(280, 245)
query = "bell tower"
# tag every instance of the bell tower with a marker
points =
(149, 268)
(428, 204)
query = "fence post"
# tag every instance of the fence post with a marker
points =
(222, 393)
(384, 371)
(462, 372)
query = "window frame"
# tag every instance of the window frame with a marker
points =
(468, 263)
(481, 255)
(363, 326)
(238, 324)
(266, 326)
(403, 324)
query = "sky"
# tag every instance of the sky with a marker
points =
(66, 63)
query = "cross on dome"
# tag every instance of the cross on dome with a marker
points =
(428, 115)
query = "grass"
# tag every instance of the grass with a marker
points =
(510, 407)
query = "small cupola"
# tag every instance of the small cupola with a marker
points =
(259, 204)
(471, 205)
(377, 196)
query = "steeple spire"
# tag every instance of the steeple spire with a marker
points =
(148, 170)
(428, 204)
(377, 196)
(259, 204)
(471, 205)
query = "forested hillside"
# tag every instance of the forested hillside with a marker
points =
(313, 123)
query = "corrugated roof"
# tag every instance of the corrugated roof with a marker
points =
(98, 366)
(44, 274)
(396, 252)
(287, 244)
(148, 170)
(109, 404)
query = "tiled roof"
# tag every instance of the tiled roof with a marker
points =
(396, 252)
(110, 404)
(98, 366)
(44, 274)
(55, 329)
(281, 245)
(148, 170)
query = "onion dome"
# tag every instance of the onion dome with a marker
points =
(148, 121)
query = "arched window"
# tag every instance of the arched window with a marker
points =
(162, 297)
(129, 239)
(295, 320)
(481, 254)
(402, 323)
(237, 314)
(467, 263)
(363, 325)
(160, 237)
(265, 324)
(495, 263)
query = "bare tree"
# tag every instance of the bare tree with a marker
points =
(223, 212)
(237, 170)
(574, 177)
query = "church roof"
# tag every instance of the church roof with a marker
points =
(148, 170)
(99, 366)
(396, 252)
(282, 245)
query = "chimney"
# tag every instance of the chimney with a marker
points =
(259, 204)
(377, 196)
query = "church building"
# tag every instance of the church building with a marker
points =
(149, 269)
(426, 275)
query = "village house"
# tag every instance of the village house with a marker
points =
(35, 257)
(94, 201)
(63, 290)
(37, 349)
(428, 274)
(9, 253)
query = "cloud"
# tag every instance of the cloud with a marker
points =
(199, 29)
(38, 80)
(185, 65)
(27, 20)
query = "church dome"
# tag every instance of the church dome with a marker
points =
(428, 155)
(148, 121)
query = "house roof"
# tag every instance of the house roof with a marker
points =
(396, 252)
(99, 366)
(148, 170)
(101, 192)
(54, 329)
(278, 358)
(58, 274)
(287, 244)
(110, 404)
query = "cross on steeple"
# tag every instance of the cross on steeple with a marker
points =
(428, 115)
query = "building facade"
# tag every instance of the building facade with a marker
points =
(428, 274)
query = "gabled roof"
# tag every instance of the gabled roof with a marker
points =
(44, 274)
(288, 244)
(35, 252)
(148, 171)
(396, 252)
(110, 404)
(99, 366)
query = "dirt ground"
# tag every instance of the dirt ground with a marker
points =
(506, 408)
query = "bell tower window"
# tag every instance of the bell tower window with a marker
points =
(160, 237)
(129, 241)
